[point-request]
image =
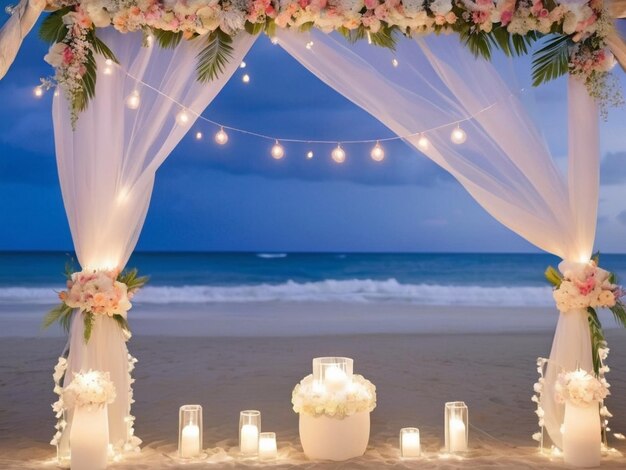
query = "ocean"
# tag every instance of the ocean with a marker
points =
(509, 280)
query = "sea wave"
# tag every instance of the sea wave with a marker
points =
(353, 291)
(271, 255)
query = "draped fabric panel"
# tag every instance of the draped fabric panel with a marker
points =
(13, 32)
(107, 167)
(505, 163)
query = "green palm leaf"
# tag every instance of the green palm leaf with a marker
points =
(53, 29)
(213, 58)
(552, 60)
(167, 39)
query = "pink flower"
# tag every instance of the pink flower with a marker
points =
(371, 4)
(506, 17)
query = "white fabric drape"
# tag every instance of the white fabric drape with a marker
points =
(107, 167)
(504, 164)
(13, 32)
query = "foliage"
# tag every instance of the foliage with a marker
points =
(213, 58)
(552, 60)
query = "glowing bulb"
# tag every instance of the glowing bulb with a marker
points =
(309, 154)
(107, 70)
(149, 40)
(242, 65)
(122, 196)
(133, 100)
(56, 92)
(278, 151)
(198, 135)
(395, 62)
(38, 91)
(246, 78)
(221, 137)
(338, 154)
(377, 153)
(458, 136)
(423, 143)
(108, 62)
(182, 118)
(309, 45)
(274, 40)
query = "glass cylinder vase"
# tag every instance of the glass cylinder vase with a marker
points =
(190, 431)
(410, 446)
(267, 446)
(249, 430)
(456, 426)
(89, 438)
(334, 373)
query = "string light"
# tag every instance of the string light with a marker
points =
(38, 91)
(309, 45)
(182, 118)
(108, 70)
(458, 135)
(274, 40)
(242, 65)
(56, 92)
(369, 38)
(309, 154)
(246, 78)
(198, 135)
(395, 62)
(278, 151)
(221, 137)
(338, 154)
(423, 143)
(377, 153)
(133, 100)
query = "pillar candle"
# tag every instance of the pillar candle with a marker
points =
(458, 442)
(410, 444)
(190, 441)
(267, 446)
(249, 439)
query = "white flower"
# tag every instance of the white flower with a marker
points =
(537, 436)
(441, 7)
(55, 54)
(91, 388)
(580, 388)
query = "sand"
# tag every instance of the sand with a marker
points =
(415, 373)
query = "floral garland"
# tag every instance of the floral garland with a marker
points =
(314, 399)
(89, 389)
(580, 388)
(580, 29)
(92, 293)
(587, 287)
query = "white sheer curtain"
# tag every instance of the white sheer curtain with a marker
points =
(504, 164)
(13, 32)
(107, 167)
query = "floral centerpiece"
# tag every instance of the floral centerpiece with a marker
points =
(580, 388)
(311, 398)
(585, 286)
(578, 45)
(89, 389)
(92, 292)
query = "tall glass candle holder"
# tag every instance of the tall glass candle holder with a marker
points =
(410, 446)
(190, 431)
(457, 426)
(249, 430)
(334, 373)
(267, 446)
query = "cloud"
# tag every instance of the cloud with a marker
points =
(613, 168)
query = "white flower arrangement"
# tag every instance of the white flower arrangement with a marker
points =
(316, 400)
(580, 388)
(91, 388)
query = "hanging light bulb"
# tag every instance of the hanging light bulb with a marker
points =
(377, 153)
(198, 135)
(182, 118)
(278, 151)
(56, 92)
(338, 154)
(274, 40)
(108, 69)
(38, 91)
(242, 65)
(423, 143)
(309, 45)
(395, 62)
(246, 78)
(221, 137)
(133, 100)
(458, 135)
(309, 154)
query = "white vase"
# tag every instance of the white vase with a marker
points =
(581, 435)
(325, 438)
(89, 438)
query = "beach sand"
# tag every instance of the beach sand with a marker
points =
(202, 359)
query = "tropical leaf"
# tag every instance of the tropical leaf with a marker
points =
(53, 29)
(254, 28)
(81, 99)
(478, 43)
(61, 313)
(511, 44)
(122, 322)
(597, 338)
(552, 60)
(553, 276)
(619, 313)
(384, 37)
(305, 27)
(167, 39)
(100, 47)
(88, 319)
(132, 280)
(213, 58)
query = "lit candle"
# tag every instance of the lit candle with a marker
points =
(458, 441)
(410, 442)
(190, 441)
(267, 446)
(335, 378)
(249, 439)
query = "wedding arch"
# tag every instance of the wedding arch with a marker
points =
(135, 75)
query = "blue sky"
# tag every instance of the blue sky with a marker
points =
(237, 198)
